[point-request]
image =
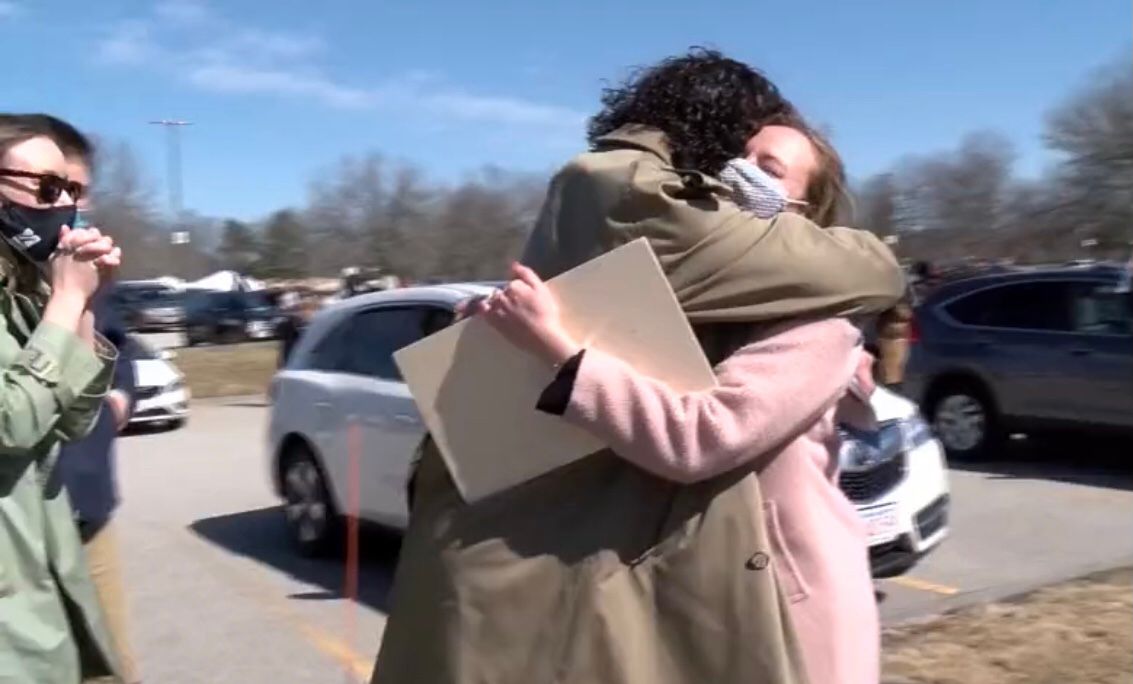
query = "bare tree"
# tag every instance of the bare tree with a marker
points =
(284, 252)
(482, 224)
(407, 239)
(876, 205)
(239, 248)
(961, 191)
(340, 206)
(197, 255)
(1093, 132)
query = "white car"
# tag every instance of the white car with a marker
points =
(897, 477)
(160, 393)
(341, 392)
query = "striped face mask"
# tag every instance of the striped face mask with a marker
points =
(755, 190)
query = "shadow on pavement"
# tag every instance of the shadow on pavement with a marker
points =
(262, 536)
(155, 428)
(1085, 459)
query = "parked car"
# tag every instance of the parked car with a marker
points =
(225, 317)
(1024, 350)
(342, 373)
(897, 478)
(149, 307)
(161, 396)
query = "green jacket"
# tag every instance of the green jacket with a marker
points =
(598, 572)
(51, 386)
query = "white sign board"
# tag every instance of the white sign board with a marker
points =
(477, 393)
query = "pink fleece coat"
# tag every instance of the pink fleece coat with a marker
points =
(773, 410)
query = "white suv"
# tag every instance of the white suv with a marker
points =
(341, 392)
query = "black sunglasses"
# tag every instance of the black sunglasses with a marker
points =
(50, 186)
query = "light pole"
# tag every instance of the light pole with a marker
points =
(173, 160)
(173, 174)
(173, 164)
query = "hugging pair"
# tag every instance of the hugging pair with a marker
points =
(710, 543)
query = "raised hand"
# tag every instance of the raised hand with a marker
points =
(73, 271)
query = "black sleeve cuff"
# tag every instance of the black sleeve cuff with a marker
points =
(556, 397)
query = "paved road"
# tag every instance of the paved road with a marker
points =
(218, 596)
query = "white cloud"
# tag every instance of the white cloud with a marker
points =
(502, 109)
(183, 12)
(276, 44)
(187, 40)
(8, 9)
(231, 78)
(129, 43)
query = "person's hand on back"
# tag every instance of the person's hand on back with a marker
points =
(527, 314)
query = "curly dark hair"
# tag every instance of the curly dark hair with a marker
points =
(708, 106)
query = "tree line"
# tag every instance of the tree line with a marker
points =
(963, 203)
(968, 202)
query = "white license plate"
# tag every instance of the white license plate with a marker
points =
(881, 522)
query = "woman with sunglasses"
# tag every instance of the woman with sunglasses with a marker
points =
(54, 371)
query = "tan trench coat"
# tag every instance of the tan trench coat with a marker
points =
(599, 573)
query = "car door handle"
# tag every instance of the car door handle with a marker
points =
(406, 419)
(1080, 352)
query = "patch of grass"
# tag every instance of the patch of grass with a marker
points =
(229, 369)
(1080, 631)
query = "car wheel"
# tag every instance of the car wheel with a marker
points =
(194, 335)
(311, 517)
(895, 569)
(964, 420)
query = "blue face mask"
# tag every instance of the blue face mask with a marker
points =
(754, 189)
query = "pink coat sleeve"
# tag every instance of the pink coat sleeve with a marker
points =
(769, 392)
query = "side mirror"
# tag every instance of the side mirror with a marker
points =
(167, 355)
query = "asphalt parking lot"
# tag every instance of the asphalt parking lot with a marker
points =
(217, 595)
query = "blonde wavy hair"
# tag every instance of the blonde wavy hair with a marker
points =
(827, 194)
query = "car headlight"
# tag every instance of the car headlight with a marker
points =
(855, 453)
(174, 386)
(915, 432)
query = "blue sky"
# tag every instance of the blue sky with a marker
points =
(278, 91)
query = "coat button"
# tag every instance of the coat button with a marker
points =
(759, 561)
